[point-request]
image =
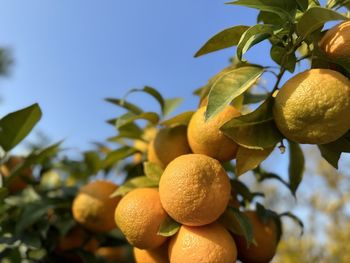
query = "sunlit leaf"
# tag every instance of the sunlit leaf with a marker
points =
(315, 18)
(181, 119)
(137, 182)
(152, 171)
(230, 85)
(226, 38)
(129, 117)
(248, 159)
(255, 130)
(168, 227)
(253, 36)
(114, 156)
(170, 105)
(15, 126)
(126, 105)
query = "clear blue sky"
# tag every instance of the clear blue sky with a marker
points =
(69, 55)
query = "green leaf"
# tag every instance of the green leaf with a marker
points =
(269, 18)
(331, 152)
(241, 189)
(295, 219)
(251, 98)
(170, 105)
(15, 126)
(314, 18)
(237, 223)
(152, 171)
(114, 156)
(302, 4)
(92, 161)
(150, 91)
(130, 131)
(129, 117)
(168, 227)
(248, 159)
(126, 105)
(230, 85)
(226, 38)
(296, 166)
(255, 130)
(181, 119)
(283, 8)
(140, 181)
(3, 193)
(253, 36)
(281, 57)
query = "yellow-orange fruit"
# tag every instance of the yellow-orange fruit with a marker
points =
(206, 138)
(265, 236)
(142, 144)
(139, 215)
(93, 208)
(168, 144)
(206, 244)
(113, 254)
(157, 255)
(336, 42)
(313, 107)
(194, 189)
(17, 183)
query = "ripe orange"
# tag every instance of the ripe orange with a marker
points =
(335, 43)
(168, 144)
(139, 215)
(313, 107)
(206, 138)
(206, 244)
(265, 236)
(194, 189)
(113, 254)
(17, 184)
(93, 208)
(157, 255)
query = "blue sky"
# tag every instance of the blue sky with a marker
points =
(69, 55)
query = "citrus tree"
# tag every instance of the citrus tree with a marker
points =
(182, 198)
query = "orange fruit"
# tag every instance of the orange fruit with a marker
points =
(194, 189)
(93, 208)
(265, 236)
(139, 215)
(313, 107)
(168, 144)
(206, 244)
(76, 238)
(113, 254)
(335, 43)
(18, 183)
(157, 255)
(142, 144)
(206, 138)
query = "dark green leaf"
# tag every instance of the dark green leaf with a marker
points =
(255, 130)
(15, 126)
(314, 18)
(130, 131)
(251, 98)
(331, 152)
(226, 38)
(3, 193)
(152, 171)
(253, 36)
(238, 223)
(269, 18)
(295, 219)
(168, 227)
(296, 166)
(229, 85)
(129, 117)
(302, 4)
(126, 105)
(181, 119)
(281, 57)
(283, 8)
(140, 181)
(92, 161)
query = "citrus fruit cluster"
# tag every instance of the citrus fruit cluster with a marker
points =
(194, 191)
